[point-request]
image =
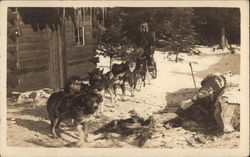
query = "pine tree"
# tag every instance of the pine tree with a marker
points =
(182, 35)
(173, 25)
(112, 41)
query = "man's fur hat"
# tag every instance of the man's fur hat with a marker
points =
(144, 25)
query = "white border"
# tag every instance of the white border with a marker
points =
(244, 76)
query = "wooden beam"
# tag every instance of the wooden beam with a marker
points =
(103, 15)
(84, 16)
(61, 51)
(53, 62)
(90, 15)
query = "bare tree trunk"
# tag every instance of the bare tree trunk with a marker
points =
(224, 42)
(176, 57)
(177, 53)
(224, 45)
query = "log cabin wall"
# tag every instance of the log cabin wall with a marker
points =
(33, 56)
(79, 56)
(12, 33)
(38, 55)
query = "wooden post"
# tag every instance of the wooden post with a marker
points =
(54, 63)
(90, 16)
(64, 59)
(93, 18)
(17, 44)
(84, 16)
(61, 52)
(103, 15)
(51, 54)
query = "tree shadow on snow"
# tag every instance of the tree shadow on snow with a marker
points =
(226, 63)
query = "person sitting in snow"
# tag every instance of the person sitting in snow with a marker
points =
(211, 86)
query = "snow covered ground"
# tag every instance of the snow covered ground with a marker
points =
(28, 124)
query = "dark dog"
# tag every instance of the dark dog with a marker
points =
(124, 72)
(102, 83)
(145, 65)
(73, 85)
(77, 106)
(140, 71)
(151, 67)
(121, 68)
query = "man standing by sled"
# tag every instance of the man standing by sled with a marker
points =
(146, 43)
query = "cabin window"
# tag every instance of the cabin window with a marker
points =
(79, 36)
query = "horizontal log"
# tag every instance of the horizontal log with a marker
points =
(80, 48)
(88, 28)
(28, 38)
(32, 63)
(26, 26)
(79, 52)
(27, 55)
(79, 56)
(87, 23)
(69, 23)
(33, 81)
(80, 70)
(43, 45)
(70, 41)
(89, 41)
(11, 56)
(75, 47)
(69, 38)
(69, 31)
(79, 60)
(33, 69)
(30, 31)
(11, 48)
(10, 25)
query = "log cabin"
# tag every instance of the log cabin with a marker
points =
(45, 46)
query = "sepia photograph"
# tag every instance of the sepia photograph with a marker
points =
(122, 76)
